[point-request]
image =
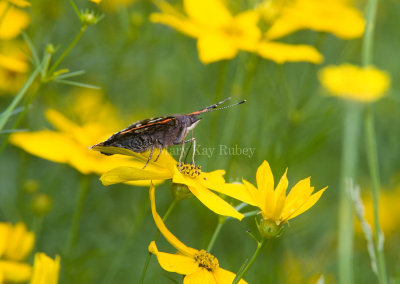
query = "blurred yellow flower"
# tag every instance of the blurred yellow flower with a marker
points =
(352, 82)
(114, 5)
(45, 269)
(15, 245)
(283, 52)
(389, 211)
(165, 168)
(219, 34)
(20, 3)
(332, 16)
(13, 21)
(96, 1)
(69, 144)
(198, 266)
(13, 67)
(273, 203)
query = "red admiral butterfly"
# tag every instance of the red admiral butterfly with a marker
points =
(159, 132)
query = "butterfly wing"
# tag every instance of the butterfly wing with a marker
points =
(141, 135)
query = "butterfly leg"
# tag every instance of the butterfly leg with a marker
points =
(148, 160)
(180, 157)
(194, 149)
(158, 156)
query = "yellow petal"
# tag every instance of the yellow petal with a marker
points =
(125, 174)
(181, 247)
(265, 185)
(352, 82)
(208, 198)
(15, 271)
(20, 3)
(212, 178)
(310, 202)
(280, 197)
(60, 122)
(320, 15)
(215, 181)
(180, 264)
(44, 144)
(45, 269)
(282, 52)
(5, 229)
(200, 276)
(178, 23)
(255, 195)
(14, 64)
(20, 243)
(214, 202)
(224, 276)
(215, 46)
(237, 191)
(297, 196)
(13, 21)
(245, 31)
(208, 13)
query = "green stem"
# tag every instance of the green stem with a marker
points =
(155, 238)
(367, 48)
(221, 222)
(366, 52)
(76, 221)
(4, 116)
(375, 182)
(65, 53)
(348, 172)
(250, 263)
(19, 118)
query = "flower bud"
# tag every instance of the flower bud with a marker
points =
(180, 191)
(41, 204)
(269, 229)
(30, 186)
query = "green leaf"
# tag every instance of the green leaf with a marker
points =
(77, 84)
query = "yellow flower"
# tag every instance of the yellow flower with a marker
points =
(69, 144)
(347, 81)
(13, 67)
(273, 203)
(332, 16)
(219, 34)
(389, 211)
(13, 22)
(45, 269)
(283, 52)
(166, 167)
(114, 5)
(15, 245)
(198, 266)
(20, 3)
(96, 1)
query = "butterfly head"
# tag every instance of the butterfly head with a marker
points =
(191, 121)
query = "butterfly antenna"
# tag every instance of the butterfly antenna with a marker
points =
(215, 107)
(221, 108)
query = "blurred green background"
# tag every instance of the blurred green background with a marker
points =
(147, 70)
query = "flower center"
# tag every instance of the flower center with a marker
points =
(233, 31)
(206, 260)
(189, 170)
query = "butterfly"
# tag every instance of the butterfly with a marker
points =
(159, 133)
